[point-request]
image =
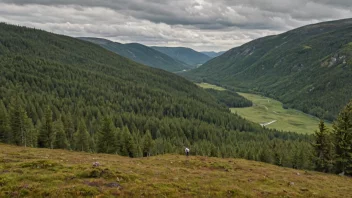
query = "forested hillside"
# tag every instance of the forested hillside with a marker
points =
(141, 54)
(61, 92)
(186, 55)
(309, 68)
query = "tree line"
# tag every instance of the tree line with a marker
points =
(333, 148)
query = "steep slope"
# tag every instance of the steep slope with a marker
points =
(186, 55)
(309, 68)
(141, 54)
(26, 172)
(213, 54)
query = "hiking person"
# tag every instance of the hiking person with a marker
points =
(187, 151)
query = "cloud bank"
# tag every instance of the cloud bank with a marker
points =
(199, 24)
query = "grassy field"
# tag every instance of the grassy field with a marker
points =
(28, 172)
(269, 111)
(266, 110)
(210, 86)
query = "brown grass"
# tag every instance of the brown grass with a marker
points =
(28, 172)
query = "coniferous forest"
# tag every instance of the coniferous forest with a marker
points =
(63, 93)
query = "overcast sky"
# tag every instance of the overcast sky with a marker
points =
(213, 25)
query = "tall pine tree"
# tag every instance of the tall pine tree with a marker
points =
(107, 141)
(47, 135)
(342, 130)
(4, 124)
(82, 137)
(323, 147)
(148, 144)
(61, 141)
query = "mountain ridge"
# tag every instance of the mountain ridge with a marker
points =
(141, 54)
(184, 54)
(304, 68)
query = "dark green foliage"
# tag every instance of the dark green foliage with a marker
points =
(69, 128)
(21, 130)
(323, 149)
(128, 146)
(4, 124)
(47, 134)
(304, 68)
(148, 144)
(57, 78)
(141, 54)
(230, 98)
(185, 55)
(343, 140)
(61, 141)
(82, 137)
(107, 139)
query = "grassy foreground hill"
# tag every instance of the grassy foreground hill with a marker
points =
(28, 172)
(309, 68)
(141, 54)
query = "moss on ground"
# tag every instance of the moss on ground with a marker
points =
(28, 172)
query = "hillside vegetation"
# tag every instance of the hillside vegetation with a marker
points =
(141, 54)
(186, 55)
(309, 68)
(28, 172)
(61, 92)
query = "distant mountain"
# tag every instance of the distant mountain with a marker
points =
(309, 68)
(213, 54)
(141, 54)
(186, 55)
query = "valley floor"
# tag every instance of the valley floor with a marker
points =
(270, 113)
(29, 172)
(266, 110)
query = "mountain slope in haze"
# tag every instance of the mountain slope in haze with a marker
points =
(186, 55)
(309, 68)
(141, 54)
(58, 173)
(213, 54)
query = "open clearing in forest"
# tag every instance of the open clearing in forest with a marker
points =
(266, 110)
(210, 86)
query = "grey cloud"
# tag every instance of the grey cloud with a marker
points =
(201, 24)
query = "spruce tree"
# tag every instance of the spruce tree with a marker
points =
(61, 141)
(128, 144)
(16, 122)
(69, 129)
(342, 130)
(21, 126)
(29, 132)
(82, 137)
(147, 144)
(47, 135)
(4, 124)
(323, 149)
(107, 142)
